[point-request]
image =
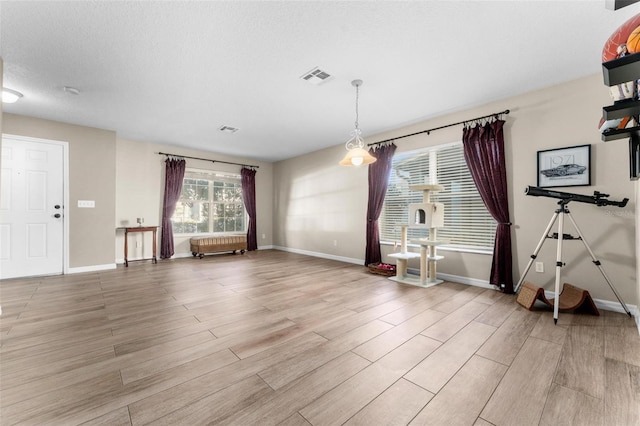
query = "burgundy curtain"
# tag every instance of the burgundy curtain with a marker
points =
(378, 182)
(249, 197)
(174, 174)
(484, 154)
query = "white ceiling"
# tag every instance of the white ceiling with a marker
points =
(174, 72)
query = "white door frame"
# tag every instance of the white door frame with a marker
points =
(65, 190)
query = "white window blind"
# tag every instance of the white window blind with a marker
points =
(467, 223)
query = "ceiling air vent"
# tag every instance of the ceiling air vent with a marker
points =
(316, 76)
(228, 129)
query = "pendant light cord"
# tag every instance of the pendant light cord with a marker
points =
(357, 100)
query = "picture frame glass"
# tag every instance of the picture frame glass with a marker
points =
(569, 166)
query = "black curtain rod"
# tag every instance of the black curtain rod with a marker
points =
(495, 114)
(207, 159)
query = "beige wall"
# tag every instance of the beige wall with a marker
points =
(310, 204)
(320, 206)
(125, 178)
(1, 85)
(318, 201)
(91, 177)
(140, 188)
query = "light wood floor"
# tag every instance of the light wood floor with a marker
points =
(277, 338)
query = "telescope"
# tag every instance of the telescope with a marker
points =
(598, 198)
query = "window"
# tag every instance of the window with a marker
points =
(467, 223)
(210, 202)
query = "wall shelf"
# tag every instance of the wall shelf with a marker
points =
(617, 71)
(616, 134)
(621, 109)
(621, 70)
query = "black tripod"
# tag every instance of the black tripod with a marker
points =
(560, 236)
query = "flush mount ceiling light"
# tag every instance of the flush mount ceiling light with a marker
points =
(10, 96)
(356, 154)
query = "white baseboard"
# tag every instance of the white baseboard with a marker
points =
(609, 305)
(181, 255)
(458, 279)
(606, 305)
(321, 255)
(92, 268)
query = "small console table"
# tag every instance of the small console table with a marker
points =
(142, 229)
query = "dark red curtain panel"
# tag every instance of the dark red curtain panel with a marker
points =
(174, 174)
(378, 182)
(484, 154)
(249, 198)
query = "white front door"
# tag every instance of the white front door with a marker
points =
(31, 208)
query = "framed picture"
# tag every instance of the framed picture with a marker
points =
(565, 166)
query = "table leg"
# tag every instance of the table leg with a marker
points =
(155, 260)
(126, 248)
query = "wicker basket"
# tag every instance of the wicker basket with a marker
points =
(374, 268)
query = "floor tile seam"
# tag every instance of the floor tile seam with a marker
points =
(61, 390)
(628, 364)
(15, 346)
(332, 355)
(133, 327)
(193, 401)
(68, 373)
(171, 353)
(493, 360)
(459, 330)
(580, 392)
(53, 328)
(300, 379)
(51, 349)
(553, 377)
(296, 381)
(49, 375)
(494, 389)
(518, 351)
(377, 396)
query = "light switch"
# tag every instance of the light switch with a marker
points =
(87, 204)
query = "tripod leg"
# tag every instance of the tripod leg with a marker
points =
(536, 251)
(556, 303)
(598, 264)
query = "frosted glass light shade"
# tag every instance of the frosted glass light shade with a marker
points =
(357, 157)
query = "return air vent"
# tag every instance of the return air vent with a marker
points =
(228, 129)
(316, 76)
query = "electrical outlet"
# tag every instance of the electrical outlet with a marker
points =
(264, 236)
(539, 267)
(335, 243)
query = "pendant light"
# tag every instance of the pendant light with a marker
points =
(357, 154)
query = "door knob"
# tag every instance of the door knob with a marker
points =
(57, 215)
(57, 206)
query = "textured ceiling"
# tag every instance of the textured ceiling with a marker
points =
(174, 72)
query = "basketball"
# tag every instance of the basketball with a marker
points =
(633, 42)
(619, 36)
